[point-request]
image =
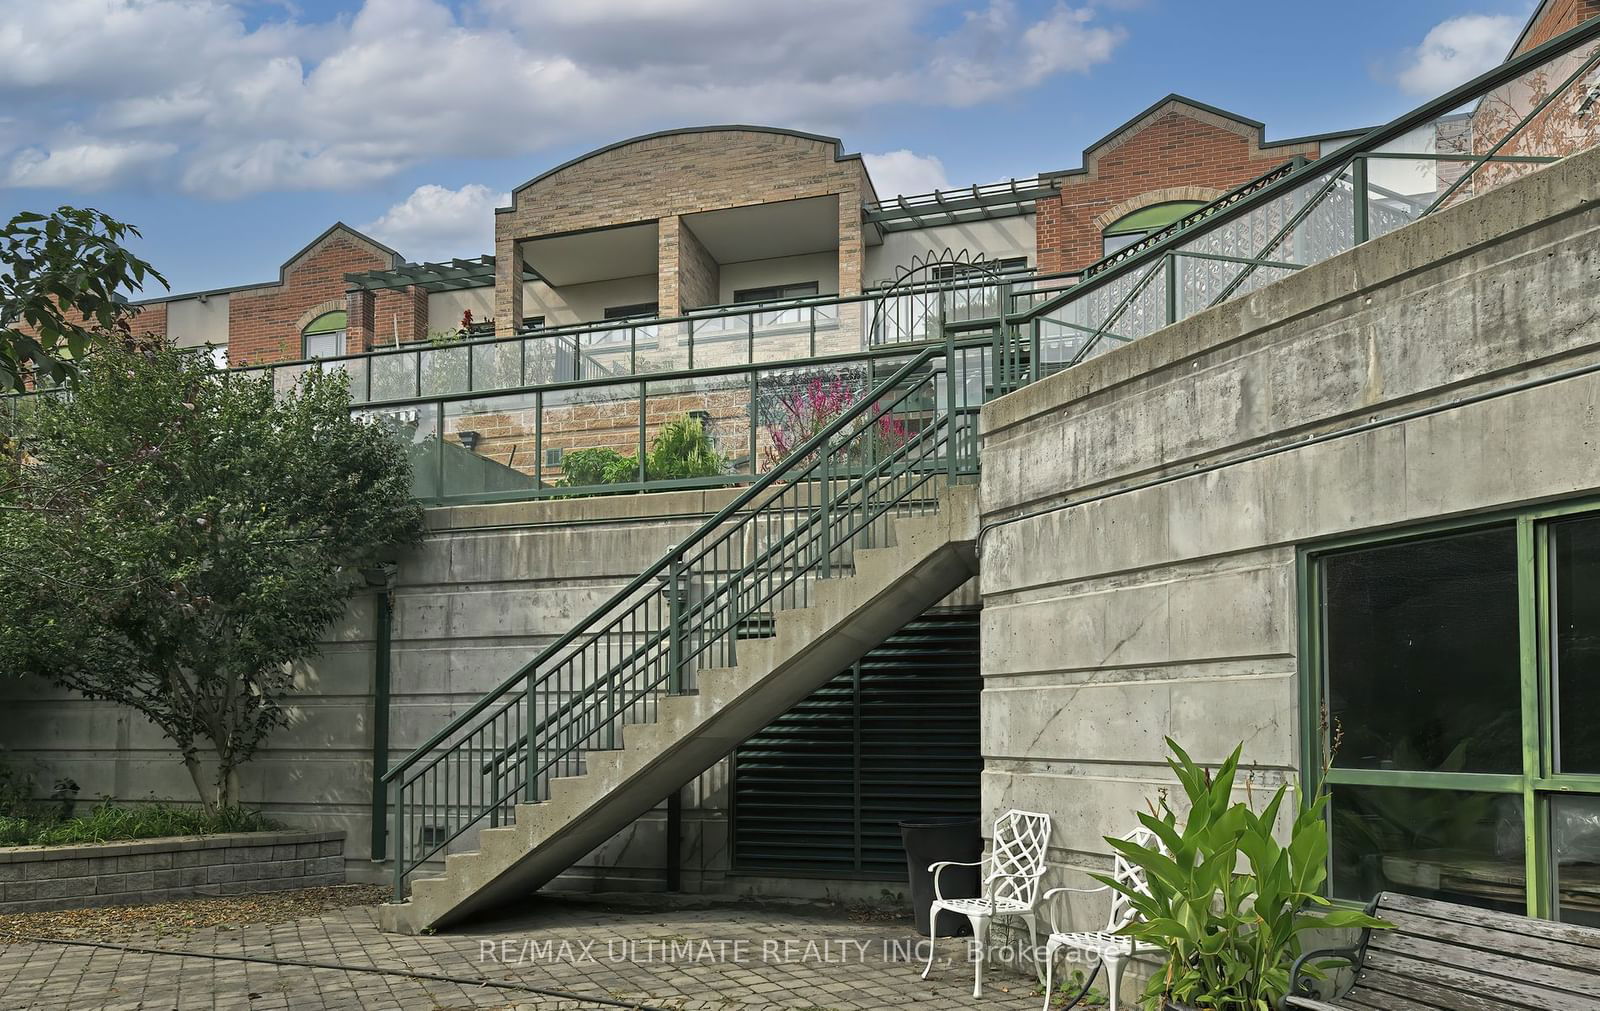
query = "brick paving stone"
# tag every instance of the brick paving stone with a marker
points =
(707, 956)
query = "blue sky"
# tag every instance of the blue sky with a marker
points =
(232, 134)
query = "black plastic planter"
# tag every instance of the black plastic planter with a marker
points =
(928, 842)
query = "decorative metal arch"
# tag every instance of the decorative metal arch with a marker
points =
(933, 290)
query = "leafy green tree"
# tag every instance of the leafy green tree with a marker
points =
(61, 276)
(175, 540)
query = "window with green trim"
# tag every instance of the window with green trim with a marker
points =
(323, 337)
(1453, 677)
(1130, 228)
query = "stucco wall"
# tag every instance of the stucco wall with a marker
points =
(998, 239)
(1143, 510)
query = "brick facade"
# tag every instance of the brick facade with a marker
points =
(264, 323)
(1554, 17)
(1175, 150)
(662, 176)
(698, 278)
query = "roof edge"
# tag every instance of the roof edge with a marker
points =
(838, 148)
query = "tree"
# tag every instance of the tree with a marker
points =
(60, 279)
(174, 539)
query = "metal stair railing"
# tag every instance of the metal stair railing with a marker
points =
(886, 455)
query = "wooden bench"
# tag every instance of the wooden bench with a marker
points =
(1446, 957)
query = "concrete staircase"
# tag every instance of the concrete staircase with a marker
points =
(929, 557)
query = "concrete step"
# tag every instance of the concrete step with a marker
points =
(928, 557)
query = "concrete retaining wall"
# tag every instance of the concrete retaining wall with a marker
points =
(1143, 511)
(155, 870)
(488, 588)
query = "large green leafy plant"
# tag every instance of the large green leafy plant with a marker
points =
(174, 540)
(1225, 900)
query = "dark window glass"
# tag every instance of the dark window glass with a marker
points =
(776, 292)
(630, 311)
(1444, 844)
(1422, 653)
(1575, 853)
(1575, 606)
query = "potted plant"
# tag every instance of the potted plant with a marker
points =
(1225, 901)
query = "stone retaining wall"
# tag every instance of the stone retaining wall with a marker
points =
(155, 870)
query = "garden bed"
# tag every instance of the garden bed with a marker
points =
(155, 870)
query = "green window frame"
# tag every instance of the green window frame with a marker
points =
(1130, 228)
(1539, 783)
(324, 336)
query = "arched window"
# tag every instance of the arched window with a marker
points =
(1130, 228)
(323, 337)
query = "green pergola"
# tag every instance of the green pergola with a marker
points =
(957, 206)
(457, 274)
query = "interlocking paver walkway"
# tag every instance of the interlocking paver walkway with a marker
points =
(716, 956)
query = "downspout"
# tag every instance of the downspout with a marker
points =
(381, 578)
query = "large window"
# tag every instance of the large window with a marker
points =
(775, 292)
(323, 337)
(634, 310)
(1452, 690)
(1130, 228)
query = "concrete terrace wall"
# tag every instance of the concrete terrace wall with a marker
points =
(1157, 594)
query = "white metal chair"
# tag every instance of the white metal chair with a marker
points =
(1112, 948)
(1011, 888)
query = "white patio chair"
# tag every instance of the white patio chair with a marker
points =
(1011, 888)
(1112, 948)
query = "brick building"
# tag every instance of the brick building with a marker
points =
(685, 220)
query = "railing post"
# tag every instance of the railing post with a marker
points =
(950, 410)
(1036, 364)
(825, 537)
(1172, 287)
(398, 843)
(675, 602)
(1358, 180)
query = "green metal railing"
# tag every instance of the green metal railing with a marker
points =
(716, 337)
(888, 454)
(1528, 112)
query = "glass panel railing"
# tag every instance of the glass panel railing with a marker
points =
(1498, 128)
(497, 366)
(490, 446)
(394, 376)
(444, 370)
(589, 436)
(416, 426)
(697, 429)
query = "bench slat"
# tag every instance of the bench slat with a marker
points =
(1541, 949)
(1451, 912)
(1308, 1004)
(1388, 990)
(1514, 993)
(1374, 1000)
(1489, 966)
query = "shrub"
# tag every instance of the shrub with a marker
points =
(108, 822)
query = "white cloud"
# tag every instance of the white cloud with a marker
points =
(905, 172)
(87, 166)
(1458, 50)
(436, 223)
(290, 104)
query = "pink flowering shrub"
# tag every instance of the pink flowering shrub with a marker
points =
(799, 414)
